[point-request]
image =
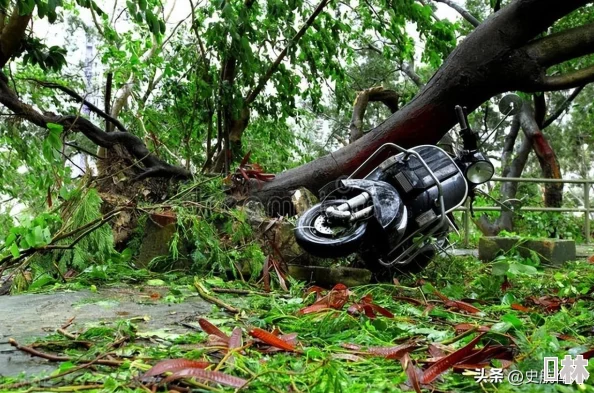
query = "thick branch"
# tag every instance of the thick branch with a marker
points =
(565, 45)
(12, 34)
(374, 94)
(134, 145)
(266, 77)
(409, 70)
(546, 157)
(563, 107)
(80, 99)
(567, 81)
(465, 14)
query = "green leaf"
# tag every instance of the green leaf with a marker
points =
(14, 250)
(512, 320)
(500, 268)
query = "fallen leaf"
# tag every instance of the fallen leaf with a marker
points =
(445, 363)
(392, 352)
(435, 351)
(589, 354)
(462, 327)
(347, 356)
(460, 305)
(271, 339)
(209, 328)
(412, 372)
(173, 365)
(235, 339)
(519, 307)
(211, 376)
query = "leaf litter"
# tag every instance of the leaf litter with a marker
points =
(345, 338)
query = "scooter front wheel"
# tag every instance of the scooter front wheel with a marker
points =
(320, 238)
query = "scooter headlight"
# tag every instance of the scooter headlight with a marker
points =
(480, 172)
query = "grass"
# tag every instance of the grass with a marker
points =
(545, 311)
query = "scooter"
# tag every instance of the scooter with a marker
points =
(398, 216)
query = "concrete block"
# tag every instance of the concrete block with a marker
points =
(550, 251)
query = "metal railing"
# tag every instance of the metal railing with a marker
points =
(586, 209)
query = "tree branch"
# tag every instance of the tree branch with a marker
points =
(409, 70)
(374, 94)
(12, 34)
(565, 45)
(465, 14)
(266, 77)
(78, 98)
(567, 81)
(155, 167)
(563, 107)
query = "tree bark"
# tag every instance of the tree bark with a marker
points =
(373, 94)
(549, 164)
(493, 59)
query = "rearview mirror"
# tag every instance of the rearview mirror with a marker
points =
(510, 105)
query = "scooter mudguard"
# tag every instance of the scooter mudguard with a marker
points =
(388, 208)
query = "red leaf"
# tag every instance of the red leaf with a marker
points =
(382, 311)
(209, 328)
(317, 290)
(355, 308)
(441, 296)
(173, 365)
(369, 311)
(412, 372)
(316, 307)
(367, 299)
(245, 159)
(281, 276)
(435, 351)
(462, 306)
(462, 327)
(416, 302)
(392, 352)
(235, 340)
(212, 376)
(505, 285)
(445, 363)
(271, 339)
(336, 299)
(266, 274)
(589, 354)
(519, 307)
(290, 338)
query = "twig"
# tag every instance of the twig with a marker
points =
(56, 358)
(240, 291)
(204, 295)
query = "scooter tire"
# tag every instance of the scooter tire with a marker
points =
(322, 246)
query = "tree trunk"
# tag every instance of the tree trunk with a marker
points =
(553, 196)
(511, 168)
(499, 55)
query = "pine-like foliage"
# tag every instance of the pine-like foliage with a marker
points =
(97, 247)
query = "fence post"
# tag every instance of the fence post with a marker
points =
(587, 208)
(467, 223)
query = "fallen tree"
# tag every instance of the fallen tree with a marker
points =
(501, 54)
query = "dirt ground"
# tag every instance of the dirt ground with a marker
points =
(25, 317)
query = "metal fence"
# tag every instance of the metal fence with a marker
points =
(586, 209)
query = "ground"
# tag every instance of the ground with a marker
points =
(528, 311)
